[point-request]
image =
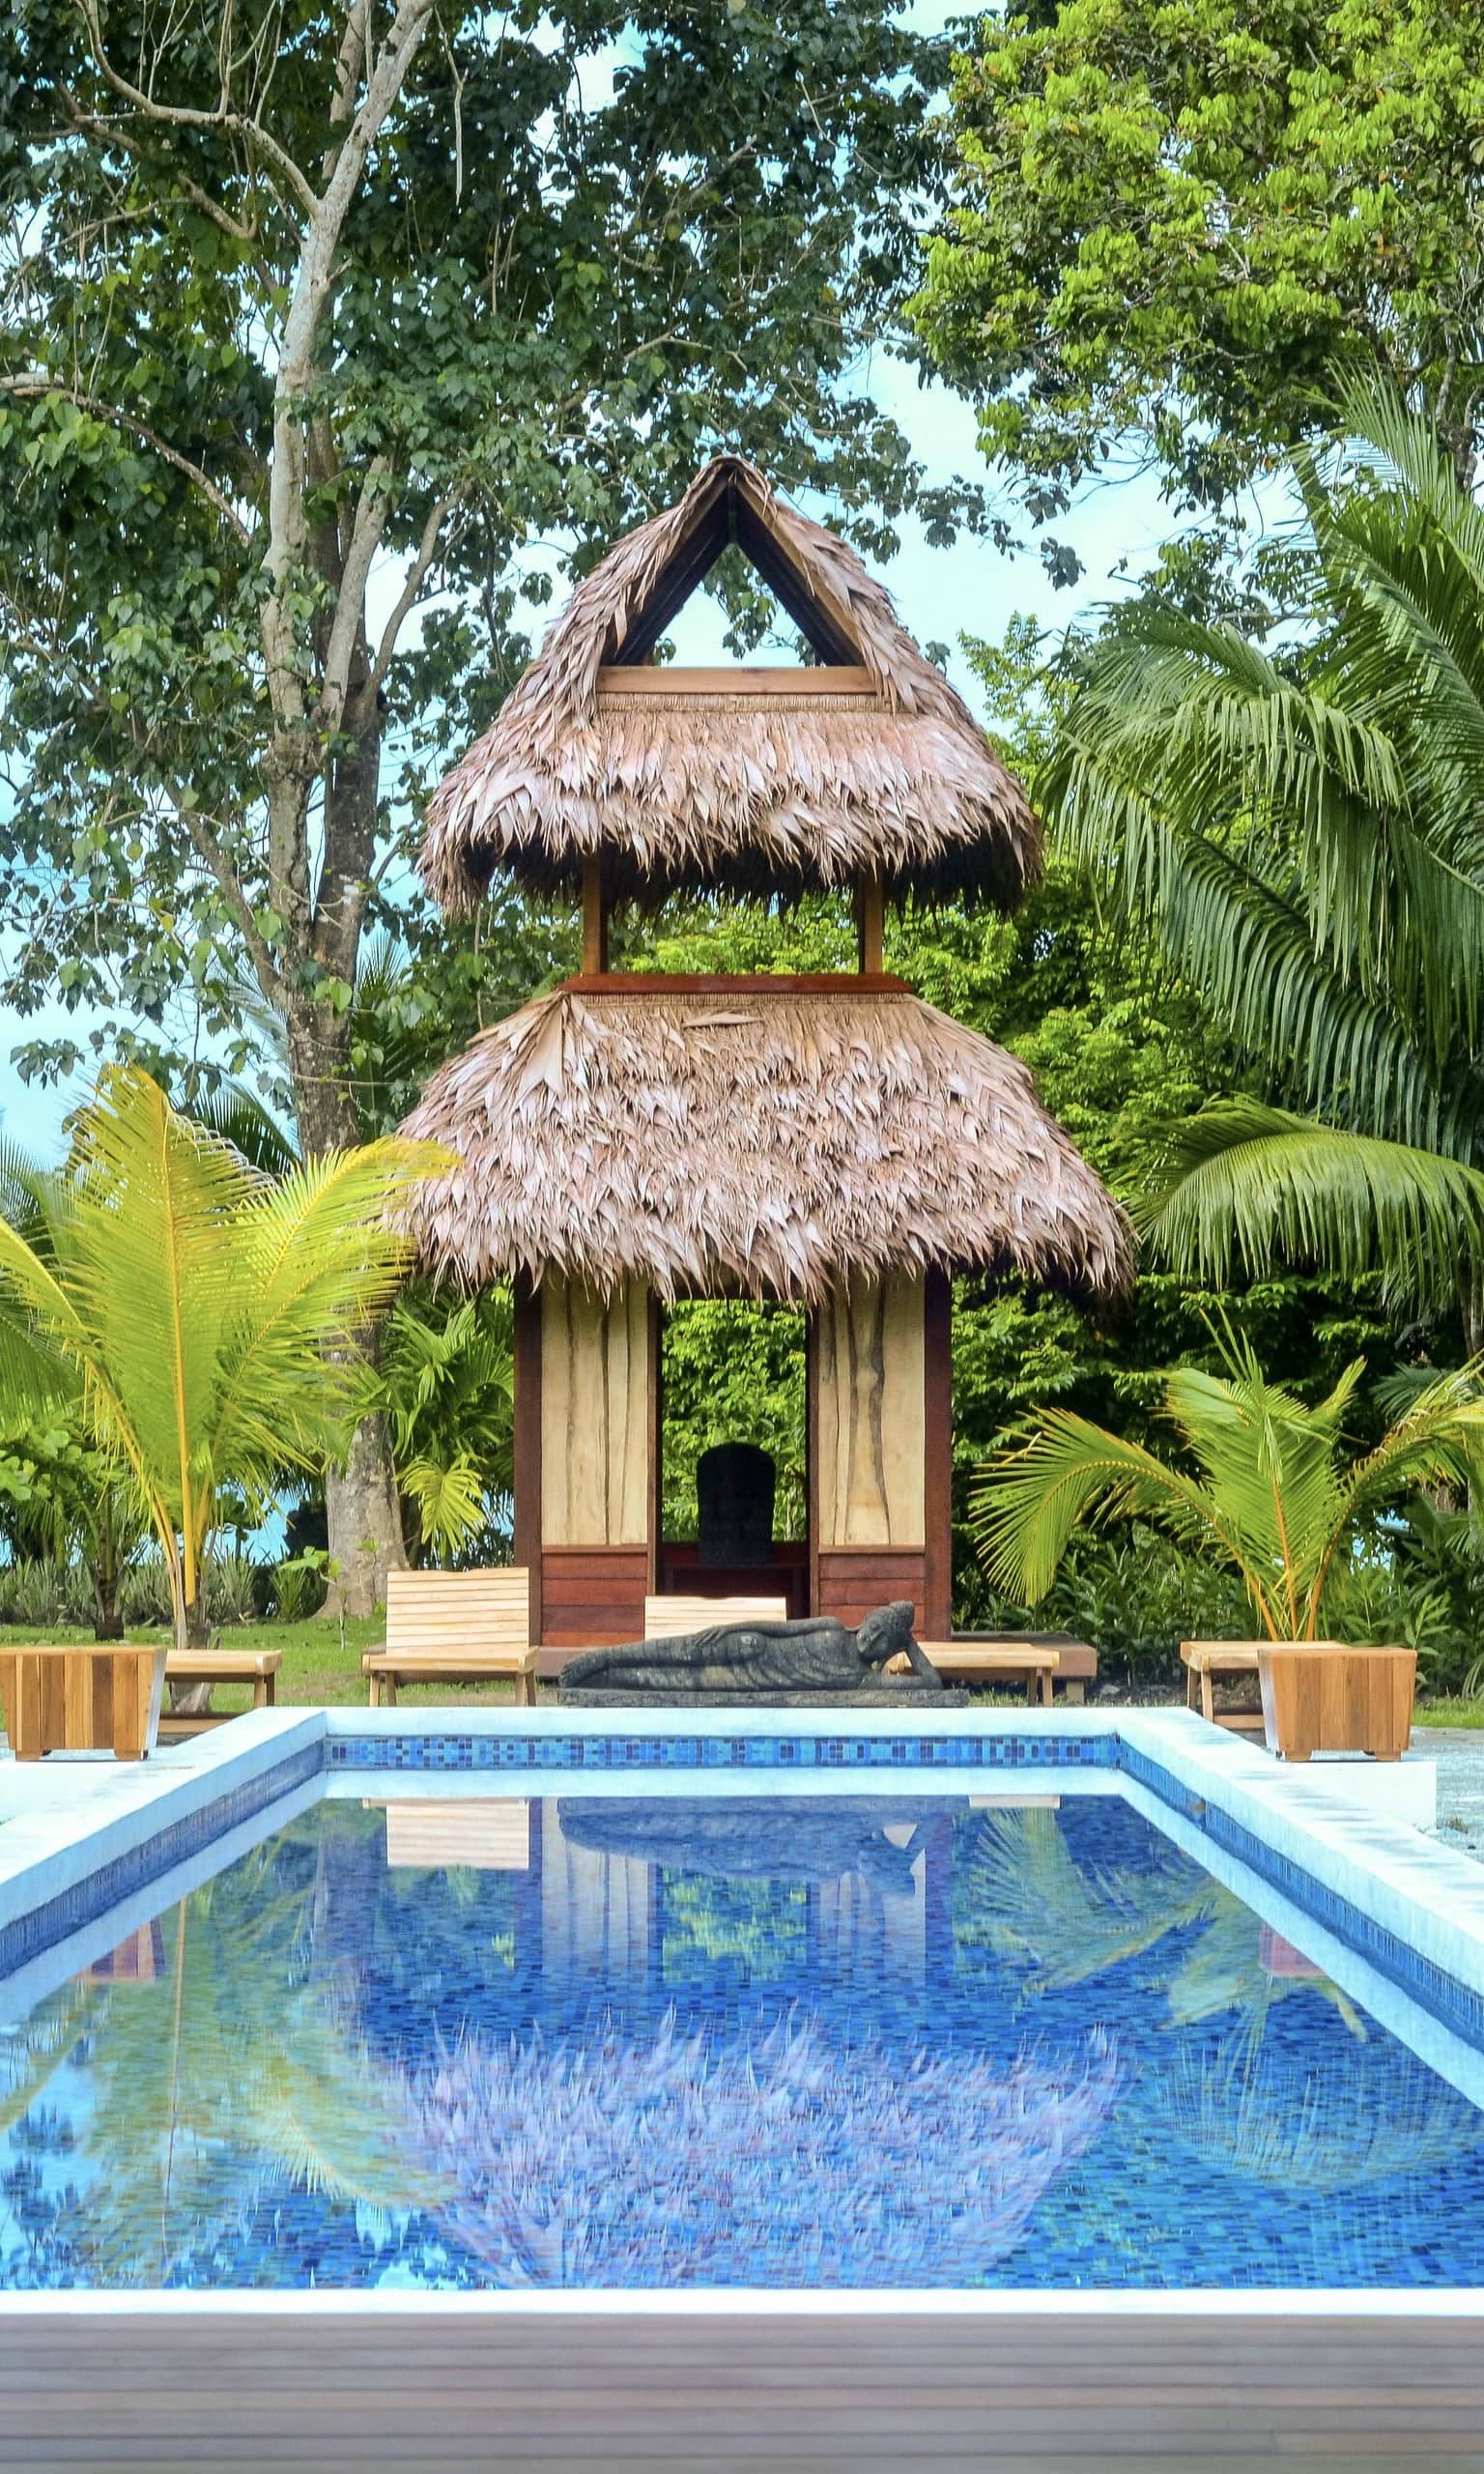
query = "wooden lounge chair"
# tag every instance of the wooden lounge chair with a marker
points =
(666, 1618)
(454, 1627)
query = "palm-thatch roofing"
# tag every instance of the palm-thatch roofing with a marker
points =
(767, 1140)
(754, 782)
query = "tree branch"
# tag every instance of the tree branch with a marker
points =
(371, 512)
(187, 116)
(413, 581)
(90, 124)
(210, 850)
(33, 383)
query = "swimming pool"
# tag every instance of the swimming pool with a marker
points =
(724, 2022)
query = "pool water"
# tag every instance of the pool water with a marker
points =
(834, 2041)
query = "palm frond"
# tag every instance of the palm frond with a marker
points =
(1244, 1185)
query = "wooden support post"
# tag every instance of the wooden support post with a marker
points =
(869, 917)
(935, 1616)
(527, 1543)
(594, 917)
(655, 1575)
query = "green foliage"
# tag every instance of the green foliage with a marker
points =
(758, 1929)
(447, 1387)
(733, 1373)
(202, 1313)
(1300, 830)
(460, 305)
(1172, 218)
(1260, 1488)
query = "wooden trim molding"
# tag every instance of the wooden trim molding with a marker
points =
(752, 681)
(761, 983)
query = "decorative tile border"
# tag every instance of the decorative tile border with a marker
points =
(1458, 2005)
(424, 1752)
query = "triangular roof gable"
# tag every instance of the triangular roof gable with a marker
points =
(729, 502)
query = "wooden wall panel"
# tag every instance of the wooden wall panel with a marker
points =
(596, 1428)
(935, 1609)
(869, 1415)
(853, 1582)
(593, 1596)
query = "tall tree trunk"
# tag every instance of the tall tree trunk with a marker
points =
(362, 1511)
(107, 1614)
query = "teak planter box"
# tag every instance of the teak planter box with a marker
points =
(1327, 1696)
(76, 1696)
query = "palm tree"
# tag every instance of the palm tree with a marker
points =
(1269, 1495)
(198, 1312)
(1304, 831)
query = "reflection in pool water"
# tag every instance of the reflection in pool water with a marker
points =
(830, 2041)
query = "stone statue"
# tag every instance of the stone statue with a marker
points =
(816, 1655)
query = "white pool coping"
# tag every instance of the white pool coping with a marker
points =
(90, 1813)
(750, 2302)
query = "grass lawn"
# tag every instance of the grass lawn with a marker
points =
(1449, 1712)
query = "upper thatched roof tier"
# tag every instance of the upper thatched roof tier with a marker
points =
(750, 780)
(765, 1137)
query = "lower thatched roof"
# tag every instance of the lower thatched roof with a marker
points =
(770, 1141)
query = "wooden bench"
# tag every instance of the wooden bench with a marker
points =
(666, 1618)
(80, 1696)
(1078, 1667)
(1205, 1660)
(257, 1667)
(978, 1662)
(454, 1627)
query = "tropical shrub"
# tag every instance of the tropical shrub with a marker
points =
(1263, 1489)
(299, 1589)
(201, 1316)
(448, 1389)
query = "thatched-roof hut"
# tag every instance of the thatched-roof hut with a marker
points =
(749, 782)
(830, 1141)
(770, 1142)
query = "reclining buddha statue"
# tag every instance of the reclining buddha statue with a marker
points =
(813, 1654)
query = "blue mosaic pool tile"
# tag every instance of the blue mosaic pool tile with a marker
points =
(1456, 2005)
(55, 1919)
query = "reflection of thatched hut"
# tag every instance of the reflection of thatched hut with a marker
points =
(829, 1140)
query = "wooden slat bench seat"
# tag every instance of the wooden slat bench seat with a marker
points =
(666, 1618)
(976, 1662)
(257, 1667)
(454, 1627)
(1203, 1661)
(1078, 1659)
